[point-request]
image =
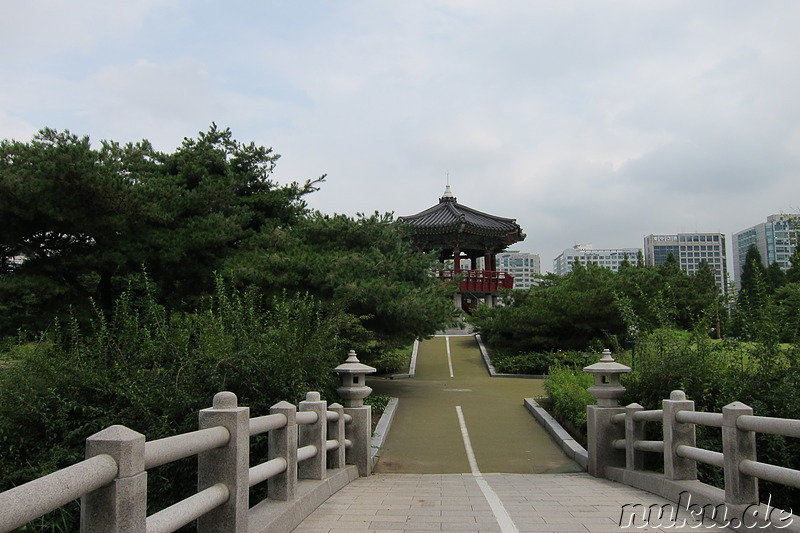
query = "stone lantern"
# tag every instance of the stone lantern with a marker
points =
(354, 387)
(601, 432)
(607, 388)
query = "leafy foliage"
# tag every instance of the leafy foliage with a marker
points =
(567, 387)
(561, 313)
(363, 266)
(593, 307)
(149, 369)
(538, 362)
(79, 223)
(713, 374)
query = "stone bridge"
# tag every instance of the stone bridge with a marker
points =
(467, 451)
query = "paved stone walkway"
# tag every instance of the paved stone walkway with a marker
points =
(560, 503)
(421, 484)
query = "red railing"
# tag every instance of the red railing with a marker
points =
(479, 280)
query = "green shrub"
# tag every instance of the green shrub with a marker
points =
(151, 371)
(567, 388)
(713, 374)
(539, 362)
(393, 361)
(378, 402)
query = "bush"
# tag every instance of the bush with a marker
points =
(567, 388)
(714, 374)
(378, 402)
(393, 361)
(538, 362)
(152, 371)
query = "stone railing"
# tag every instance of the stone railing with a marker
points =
(313, 442)
(617, 448)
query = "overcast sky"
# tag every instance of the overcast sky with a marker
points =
(589, 122)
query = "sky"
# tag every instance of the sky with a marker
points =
(589, 122)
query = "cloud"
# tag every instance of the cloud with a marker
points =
(588, 122)
(37, 29)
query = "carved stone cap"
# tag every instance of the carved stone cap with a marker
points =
(607, 365)
(353, 366)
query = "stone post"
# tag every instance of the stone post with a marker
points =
(358, 433)
(283, 443)
(336, 458)
(229, 464)
(315, 434)
(601, 432)
(120, 506)
(677, 434)
(738, 445)
(634, 459)
(457, 300)
(353, 391)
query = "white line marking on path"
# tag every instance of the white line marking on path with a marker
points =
(500, 514)
(449, 359)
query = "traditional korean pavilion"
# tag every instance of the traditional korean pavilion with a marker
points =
(459, 232)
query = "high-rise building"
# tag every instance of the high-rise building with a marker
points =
(522, 266)
(689, 250)
(610, 258)
(775, 240)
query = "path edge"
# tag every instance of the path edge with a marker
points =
(412, 367)
(570, 446)
(382, 429)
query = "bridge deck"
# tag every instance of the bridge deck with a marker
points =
(528, 502)
(453, 424)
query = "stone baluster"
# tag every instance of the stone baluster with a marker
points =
(336, 431)
(634, 431)
(315, 434)
(120, 506)
(677, 434)
(283, 443)
(228, 464)
(738, 445)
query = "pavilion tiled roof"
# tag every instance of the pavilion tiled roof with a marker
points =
(449, 216)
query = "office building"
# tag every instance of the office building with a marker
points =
(610, 258)
(689, 250)
(775, 240)
(522, 266)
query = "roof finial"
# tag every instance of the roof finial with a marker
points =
(447, 192)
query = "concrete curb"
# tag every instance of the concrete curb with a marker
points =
(707, 498)
(269, 516)
(571, 448)
(412, 367)
(490, 367)
(382, 429)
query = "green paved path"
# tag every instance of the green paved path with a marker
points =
(426, 436)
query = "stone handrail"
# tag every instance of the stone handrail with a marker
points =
(616, 448)
(112, 482)
(27, 502)
(738, 457)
